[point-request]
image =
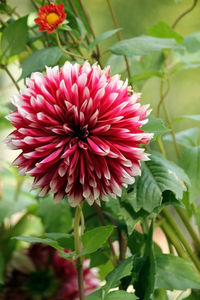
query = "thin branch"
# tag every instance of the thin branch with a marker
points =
(4, 67)
(66, 51)
(184, 14)
(118, 33)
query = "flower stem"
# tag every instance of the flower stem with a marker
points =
(66, 51)
(118, 33)
(182, 239)
(4, 67)
(77, 244)
(184, 14)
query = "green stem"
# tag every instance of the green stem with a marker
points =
(162, 102)
(77, 14)
(66, 51)
(77, 244)
(189, 227)
(90, 26)
(162, 94)
(184, 14)
(4, 67)
(172, 129)
(169, 232)
(160, 144)
(182, 239)
(118, 33)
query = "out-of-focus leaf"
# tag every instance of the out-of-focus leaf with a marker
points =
(39, 59)
(156, 126)
(58, 218)
(14, 37)
(142, 45)
(163, 30)
(190, 162)
(190, 117)
(192, 42)
(186, 138)
(146, 75)
(102, 37)
(174, 273)
(93, 239)
(116, 63)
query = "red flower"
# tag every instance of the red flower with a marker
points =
(79, 131)
(66, 271)
(54, 279)
(50, 17)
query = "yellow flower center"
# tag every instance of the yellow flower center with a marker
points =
(52, 18)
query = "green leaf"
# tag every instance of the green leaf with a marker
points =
(156, 126)
(58, 218)
(97, 295)
(185, 117)
(192, 42)
(117, 64)
(158, 175)
(122, 270)
(145, 75)
(163, 30)
(174, 273)
(64, 240)
(190, 162)
(142, 45)
(14, 37)
(102, 37)
(119, 295)
(186, 138)
(39, 59)
(93, 239)
(46, 241)
(148, 270)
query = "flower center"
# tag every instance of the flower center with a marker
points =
(52, 18)
(82, 132)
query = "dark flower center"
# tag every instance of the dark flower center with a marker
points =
(81, 132)
(39, 283)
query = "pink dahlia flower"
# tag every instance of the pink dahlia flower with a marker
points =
(79, 132)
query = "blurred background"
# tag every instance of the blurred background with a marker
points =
(134, 16)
